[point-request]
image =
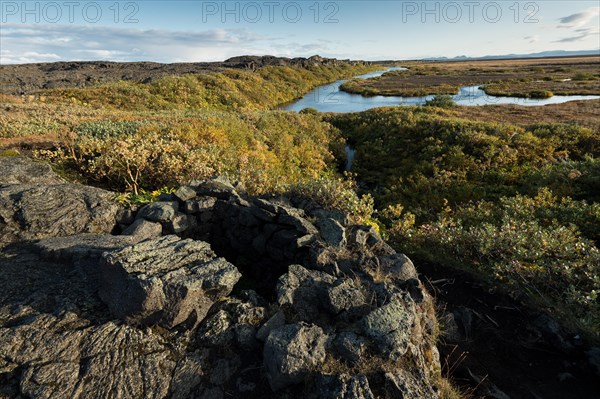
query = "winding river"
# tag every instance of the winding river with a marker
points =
(329, 98)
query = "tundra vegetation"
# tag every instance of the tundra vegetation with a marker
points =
(515, 203)
(508, 193)
(133, 136)
(539, 79)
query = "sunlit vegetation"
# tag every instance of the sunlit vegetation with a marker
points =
(516, 204)
(379, 87)
(532, 78)
(264, 150)
(139, 137)
(506, 192)
(332, 192)
(442, 101)
(536, 88)
(231, 89)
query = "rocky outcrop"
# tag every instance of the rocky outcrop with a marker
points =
(164, 310)
(165, 281)
(20, 170)
(254, 62)
(292, 353)
(31, 78)
(42, 205)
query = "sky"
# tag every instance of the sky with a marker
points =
(194, 31)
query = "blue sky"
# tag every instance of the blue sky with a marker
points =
(188, 31)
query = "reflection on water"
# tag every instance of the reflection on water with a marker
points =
(474, 95)
(329, 98)
(350, 154)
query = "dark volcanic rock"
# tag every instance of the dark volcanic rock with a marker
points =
(345, 386)
(332, 232)
(81, 246)
(406, 385)
(29, 212)
(56, 340)
(350, 346)
(20, 170)
(163, 211)
(292, 352)
(185, 193)
(142, 230)
(398, 266)
(391, 326)
(165, 281)
(84, 313)
(304, 290)
(31, 78)
(62, 357)
(593, 356)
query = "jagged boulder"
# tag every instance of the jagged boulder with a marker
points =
(228, 335)
(332, 232)
(142, 229)
(398, 267)
(345, 386)
(402, 384)
(349, 346)
(292, 352)
(29, 212)
(304, 291)
(58, 341)
(311, 294)
(166, 281)
(161, 211)
(21, 170)
(61, 357)
(337, 295)
(391, 326)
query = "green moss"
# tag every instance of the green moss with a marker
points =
(10, 153)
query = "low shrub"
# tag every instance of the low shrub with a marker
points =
(230, 89)
(337, 193)
(442, 101)
(264, 150)
(540, 94)
(532, 246)
(516, 204)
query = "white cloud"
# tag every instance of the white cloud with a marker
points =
(579, 19)
(532, 39)
(580, 35)
(10, 57)
(577, 24)
(52, 42)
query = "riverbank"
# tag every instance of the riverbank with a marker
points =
(506, 78)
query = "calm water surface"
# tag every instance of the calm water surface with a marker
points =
(329, 98)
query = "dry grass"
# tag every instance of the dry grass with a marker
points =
(585, 113)
(450, 391)
(509, 77)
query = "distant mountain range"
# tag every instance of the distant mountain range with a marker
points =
(556, 53)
